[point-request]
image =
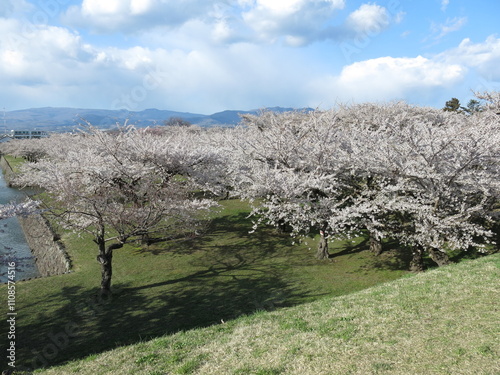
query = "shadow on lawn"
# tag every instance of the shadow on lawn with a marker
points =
(231, 281)
(348, 248)
(394, 257)
(237, 225)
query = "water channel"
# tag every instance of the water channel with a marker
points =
(13, 245)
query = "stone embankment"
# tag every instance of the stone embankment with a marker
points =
(51, 257)
(7, 170)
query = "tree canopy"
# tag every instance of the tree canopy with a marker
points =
(424, 177)
(118, 187)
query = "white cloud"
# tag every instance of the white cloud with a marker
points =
(444, 4)
(280, 8)
(388, 78)
(298, 21)
(39, 54)
(293, 22)
(8, 7)
(301, 22)
(365, 22)
(399, 17)
(222, 31)
(128, 16)
(13, 63)
(451, 25)
(405, 72)
(96, 8)
(140, 6)
(47, 64)
(185, 70)
(369, 18)
(483, 57)
(55, 66)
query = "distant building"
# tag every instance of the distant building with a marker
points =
(28, 134)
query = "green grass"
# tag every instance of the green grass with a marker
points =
(15, 163)
(183, 285)
(444, 321)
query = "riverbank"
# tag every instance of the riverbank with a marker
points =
(8, 173)
(50, 255)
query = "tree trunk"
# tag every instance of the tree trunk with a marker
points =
(145, 240)
(417, 262)
(439, 257)
(283, 227)
(496, 229)
(106, 271)
(375, 245)
(105, 258)
(322, 252)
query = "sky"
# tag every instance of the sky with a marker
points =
(205, 56)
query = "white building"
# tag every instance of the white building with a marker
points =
(28, 134)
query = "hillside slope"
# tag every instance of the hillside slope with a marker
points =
(445, 321)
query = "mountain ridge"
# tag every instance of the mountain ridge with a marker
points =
(68, 118)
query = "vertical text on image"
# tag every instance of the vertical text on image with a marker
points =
(11, 314)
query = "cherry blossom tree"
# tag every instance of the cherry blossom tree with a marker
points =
(492, 99)
(419, 175)
(442, 180)
(188, 151)
(297, 168)
(115, 188)
(17, 209)
(30, 149)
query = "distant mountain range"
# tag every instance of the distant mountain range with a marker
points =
(65, 119)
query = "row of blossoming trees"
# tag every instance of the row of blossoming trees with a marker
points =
(421, 176)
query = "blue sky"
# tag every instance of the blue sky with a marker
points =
(206, 56)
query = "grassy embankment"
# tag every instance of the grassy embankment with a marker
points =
(445, 321)
(15, 163)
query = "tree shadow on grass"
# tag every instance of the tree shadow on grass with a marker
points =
(84, 324)
(227, 281)
(347, 247)
(238, 225)
(474, 253)
(394, 257)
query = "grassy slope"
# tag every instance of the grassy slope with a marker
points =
(180, 286)
(445, 321)
(15, 163)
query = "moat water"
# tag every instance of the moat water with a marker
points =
(13, 245)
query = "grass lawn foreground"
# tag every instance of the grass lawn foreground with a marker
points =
(444, 321)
